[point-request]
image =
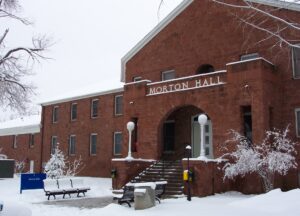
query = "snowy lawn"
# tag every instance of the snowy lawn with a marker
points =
(234, 204)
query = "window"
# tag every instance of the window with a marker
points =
(136, 79)
(93, 144)
(31, 140)
(296, 62)
(168, 75)
(55, 114)
(15, 145)
(117, 143)
(249, 56)
(118, 104)
(73, 111)
(247, 122)
(53, 144)
(94, 108)
(72, 145)
(297, 112)
(205, 68)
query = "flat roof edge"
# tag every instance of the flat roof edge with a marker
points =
(28, 129)
(67, 99)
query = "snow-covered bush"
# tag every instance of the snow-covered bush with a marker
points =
(59, 166)
(276, 154)
(56, 165)
(19, 166)
(2, 156)
(74, 167)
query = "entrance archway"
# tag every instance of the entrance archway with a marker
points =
(180, 128)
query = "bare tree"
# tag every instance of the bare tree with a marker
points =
(266, 19)
(16, 63)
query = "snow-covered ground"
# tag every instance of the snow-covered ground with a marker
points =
(274, 203)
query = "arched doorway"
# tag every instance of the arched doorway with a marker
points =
(180, 128)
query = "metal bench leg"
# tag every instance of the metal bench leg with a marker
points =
(157, 199)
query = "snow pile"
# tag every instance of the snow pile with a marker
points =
(274, 203)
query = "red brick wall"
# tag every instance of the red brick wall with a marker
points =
(104, 125)
(126, 171)
(23, 152)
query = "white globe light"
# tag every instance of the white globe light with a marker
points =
(202, 119)
(130, 126)
(188, 147)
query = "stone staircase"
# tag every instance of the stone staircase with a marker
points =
(170, 171)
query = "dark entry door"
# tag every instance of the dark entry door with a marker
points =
(169, 136)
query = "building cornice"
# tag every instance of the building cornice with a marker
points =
(95, 94)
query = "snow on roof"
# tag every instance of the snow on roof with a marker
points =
(85, 92)
(286, 4)
(23, 125)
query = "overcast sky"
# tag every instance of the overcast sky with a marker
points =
(90, 39)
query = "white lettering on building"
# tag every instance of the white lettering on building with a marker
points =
(192, 84)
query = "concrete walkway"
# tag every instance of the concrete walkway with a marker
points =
(97, 202)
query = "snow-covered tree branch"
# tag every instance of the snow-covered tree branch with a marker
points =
(276, 154)
(16, 63)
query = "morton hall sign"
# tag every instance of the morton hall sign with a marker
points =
(163, 87)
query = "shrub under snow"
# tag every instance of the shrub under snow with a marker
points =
(276, 154)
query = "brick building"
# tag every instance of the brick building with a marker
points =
(199, 59)
(20, 139)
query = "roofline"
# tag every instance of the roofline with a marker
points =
(279, 4)
(181, 7)
(160, 26)
(67, 99)
(28, 129)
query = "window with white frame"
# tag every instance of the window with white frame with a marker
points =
(53, 144)
(297, 112)
(93, 144)
(118, 104)
(31, 140)
(15, 140)
(72, 145)
(117, 143)
(296, 62)
(94, 108)
(73, 111)
(168, 75)
(55, 114)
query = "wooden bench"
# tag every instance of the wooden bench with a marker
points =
(77, 184)
(160, 189)
(127, 196)
(53, 187)
(128, 192)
